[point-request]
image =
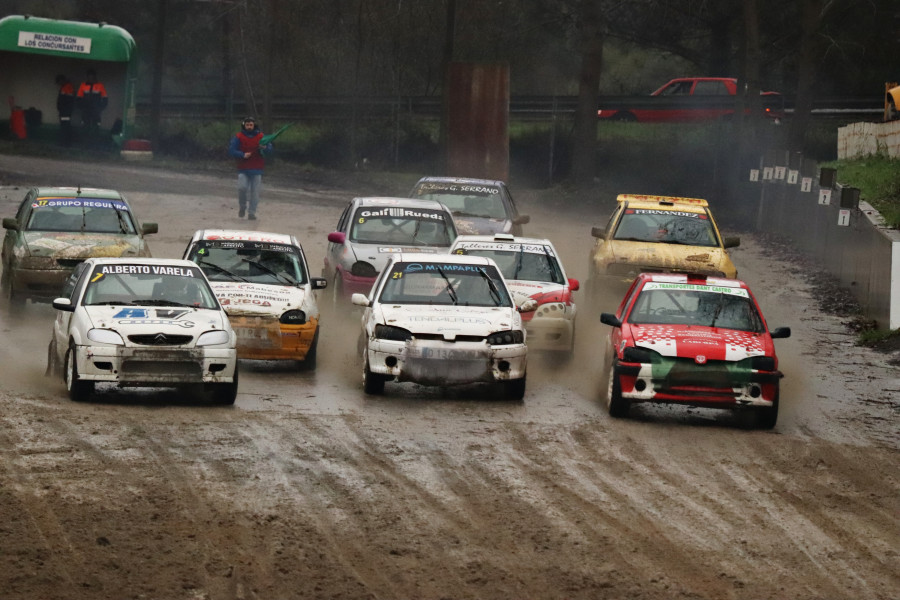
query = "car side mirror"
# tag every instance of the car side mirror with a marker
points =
(337, 237)
(598, 232)
(63, 304)
(780, 332)
(148, 228)
(318, 283)
(529, 305)
(731, 242)
(359, 299)
(573, 284)
(522, 220)
(610, 319)
(10, 223)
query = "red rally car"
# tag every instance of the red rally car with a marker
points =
(692, 340)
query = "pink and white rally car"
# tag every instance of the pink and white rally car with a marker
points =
(692, 340)
(532, 270)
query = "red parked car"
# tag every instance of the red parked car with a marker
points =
(692, 340)
(690, 99)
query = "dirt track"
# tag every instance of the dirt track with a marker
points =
(307, 488)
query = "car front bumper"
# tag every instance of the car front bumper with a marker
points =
(39, 284)
(155, 366)
(264, 338)
(351, 284)
(707, 385)
(548, 333)
(434, 362)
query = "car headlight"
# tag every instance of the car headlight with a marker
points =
(293, 317)
(389, 332)
(213, 338)
(758, 363)
(363, 269)
(633, 354)
(505, 338)
(105, 336)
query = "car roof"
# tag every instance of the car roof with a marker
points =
(140, 260)
(692, 278)
(442, 258)
(657, 201)
(75, 192)
(502, 238)
(388, 201)
(469, 180)
(248, 236)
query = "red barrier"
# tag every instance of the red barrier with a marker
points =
(17, 123)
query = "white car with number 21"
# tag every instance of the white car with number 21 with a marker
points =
(442, 320)
(142, 322)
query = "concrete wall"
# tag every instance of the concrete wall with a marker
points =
(858, 140)
(851, 243)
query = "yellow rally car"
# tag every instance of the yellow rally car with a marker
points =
(659, 234)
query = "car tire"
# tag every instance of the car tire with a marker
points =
(226, 393)
(892, 113)
(515, 388)
(373, 383)
(79, 390)
(767, 417)
(309, 363)
(14, 300)
(617, 405)
(338, 300)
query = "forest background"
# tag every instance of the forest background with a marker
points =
(257, 51)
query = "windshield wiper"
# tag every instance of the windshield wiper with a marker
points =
(123, 226)
(222, 270)
(449, 288)
(495, 293)
(274, 274)
(519, 260)
(161, 302)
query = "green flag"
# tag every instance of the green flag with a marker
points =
(268, 139)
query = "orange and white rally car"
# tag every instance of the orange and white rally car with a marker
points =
(262, 281)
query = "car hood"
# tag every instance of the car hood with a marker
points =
(378, 254)
(711, 343)
(67, 244)
(466, 225)
(239, 298)
(137, 320)
(450, 321)
(541, 291)
(697, 259)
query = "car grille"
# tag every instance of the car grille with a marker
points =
(160, 339)
(440, 337)
(166, 368)
(713, 374)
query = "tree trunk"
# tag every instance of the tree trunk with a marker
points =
(810, 19)
(584, 141)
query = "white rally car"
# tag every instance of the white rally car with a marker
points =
(262, 281)
(532, 270)
(142, 322)
(442, 320)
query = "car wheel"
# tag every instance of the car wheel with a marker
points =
(309, 363)
(14, 300)
(79, 390)
(767, 416)
(617, 405)
(226, 393)
(892, 113)
(373, 383)
(515, 388)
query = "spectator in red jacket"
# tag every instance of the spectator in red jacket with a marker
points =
(92, 100)
(245, 147)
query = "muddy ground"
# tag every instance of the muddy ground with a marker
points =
(307, 488)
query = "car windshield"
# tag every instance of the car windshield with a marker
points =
(148, 285)
(666, 227)
(444, 284)
(80, 214)
(535, 264)
(688, 304)
(483, 201)
(249, 261)
(401, 227)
